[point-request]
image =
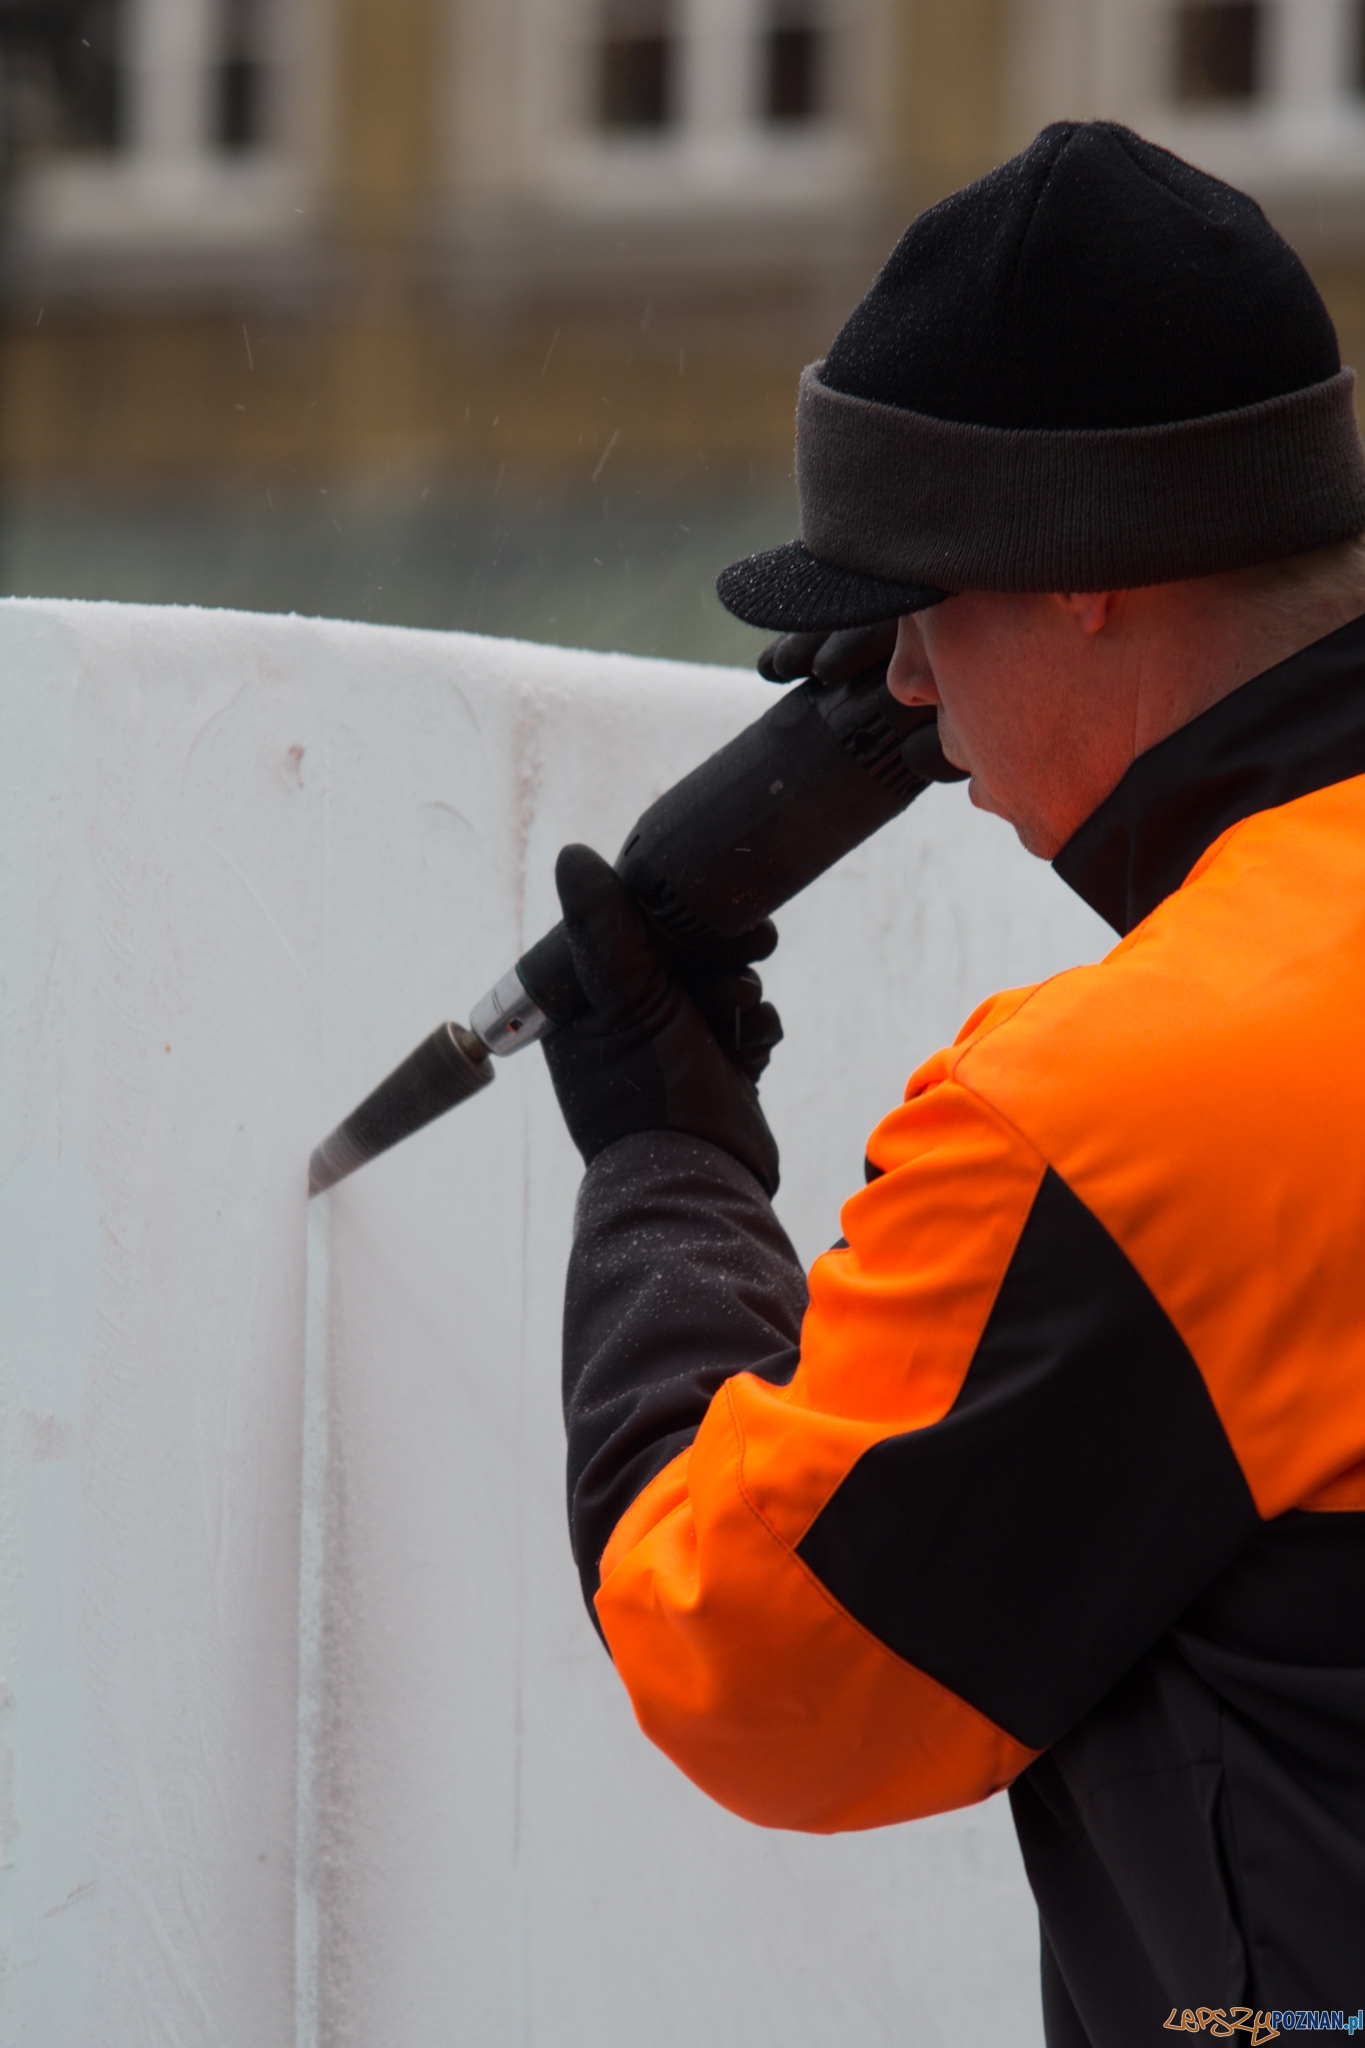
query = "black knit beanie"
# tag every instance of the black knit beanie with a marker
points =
(1097, 367)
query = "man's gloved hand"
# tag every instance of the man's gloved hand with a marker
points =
(829, 657)
(646, 1054)
(843, 657)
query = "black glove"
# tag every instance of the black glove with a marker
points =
(643, 1055)
(724, 987)
(829, 657)
(843, 657)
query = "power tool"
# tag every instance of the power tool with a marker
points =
(835, 759)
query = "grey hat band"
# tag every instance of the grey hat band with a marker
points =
(904, 497)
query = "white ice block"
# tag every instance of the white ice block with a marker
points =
(245, 864)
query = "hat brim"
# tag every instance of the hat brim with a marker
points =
(790, 590)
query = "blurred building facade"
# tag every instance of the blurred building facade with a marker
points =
(360, 237)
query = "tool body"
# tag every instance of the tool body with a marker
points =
(734, 840)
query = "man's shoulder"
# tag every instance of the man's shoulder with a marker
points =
(1201, 1092)
(1250, 972)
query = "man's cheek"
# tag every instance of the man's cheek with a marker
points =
(951, 741)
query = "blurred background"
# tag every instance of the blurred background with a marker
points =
(488, 313)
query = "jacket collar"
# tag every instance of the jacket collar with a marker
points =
(1294, 729)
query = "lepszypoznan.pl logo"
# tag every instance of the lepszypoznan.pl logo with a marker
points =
(1222, 2022)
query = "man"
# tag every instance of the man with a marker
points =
(1054, 1478)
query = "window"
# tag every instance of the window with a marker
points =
(637, 65)
(242, 78)
(59, 72)
(668, 105)
(794, 70)
(1218, 50)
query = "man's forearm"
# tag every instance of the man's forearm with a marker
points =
(680, 1276)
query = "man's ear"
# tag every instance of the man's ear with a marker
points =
(1089, 608)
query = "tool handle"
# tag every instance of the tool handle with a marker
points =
(747, 830)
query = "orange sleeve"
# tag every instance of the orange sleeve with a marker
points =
(741, 1665)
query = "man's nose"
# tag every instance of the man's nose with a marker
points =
(909, 677)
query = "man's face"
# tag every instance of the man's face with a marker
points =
(1028, 702)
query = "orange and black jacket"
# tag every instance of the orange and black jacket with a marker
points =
(1053, 1477)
